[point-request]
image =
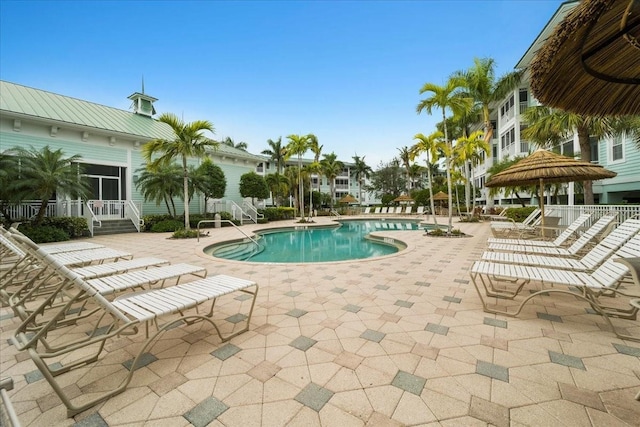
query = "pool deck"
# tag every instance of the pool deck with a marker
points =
(394, 341)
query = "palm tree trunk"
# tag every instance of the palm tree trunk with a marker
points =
(185, 182)
(585, 156)
(300, 188)
(431, 201)
(467, 185)
(41, 212)
(448, 161)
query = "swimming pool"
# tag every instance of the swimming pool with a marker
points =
(346, 241)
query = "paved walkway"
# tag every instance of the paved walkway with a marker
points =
(398, 340)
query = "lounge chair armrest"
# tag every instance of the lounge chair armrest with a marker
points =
(634, 267)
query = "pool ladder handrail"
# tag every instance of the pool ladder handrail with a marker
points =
(227, 221)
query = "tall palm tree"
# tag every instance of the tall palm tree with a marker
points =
(276, 153)
(298, 145)
(468, 149)
(361, 171)
(431, 145)
(405, 158)
(189, 141)
(481, 85)
(316, 149)
(278, 185)
(447, 97)
(331, 168)
(551, 126)
(160, 183)
(43, 173)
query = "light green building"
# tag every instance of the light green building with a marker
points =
(109, 141)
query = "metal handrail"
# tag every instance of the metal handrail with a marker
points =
(333, 212)
(91, 218)
(135, 213)
(227, 221)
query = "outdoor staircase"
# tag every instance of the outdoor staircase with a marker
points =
(115, 226)
(238, 252)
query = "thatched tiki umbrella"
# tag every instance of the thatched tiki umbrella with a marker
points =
(348, 199)
(591, 62)
(440, 196)
(403, 198)
(546, 167)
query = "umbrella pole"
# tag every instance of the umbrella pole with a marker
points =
(542, 203)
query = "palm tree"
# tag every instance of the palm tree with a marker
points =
(331, 168)
(551, 126)
(240, 145)
(499, 167)
(277, 153)
(481, 85)
(298, 145)
(405, 158)
(431, 145)
(189, 142)
(445, 97)
(278, 185)
(43, 173)
(316, 149)
(361, 171)
(160, 183)
(468, 149)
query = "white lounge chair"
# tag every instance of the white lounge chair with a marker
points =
(383, 210)
(605, 279)
(407, 210)
(420, 210)
(504, 228)
(572, 250)
(559, 241)
(367, 210)
(377, 210)
(172, 306)
(69, 247)
(590, 261)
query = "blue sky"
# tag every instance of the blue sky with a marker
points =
(347, 71)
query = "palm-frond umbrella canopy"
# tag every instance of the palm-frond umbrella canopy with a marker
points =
(403, 198)
(440, 195)
(591, 63)
(542, 167)
(348, 199)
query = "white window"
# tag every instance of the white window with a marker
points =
(617, 148)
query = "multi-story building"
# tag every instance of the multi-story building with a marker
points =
(619, 154)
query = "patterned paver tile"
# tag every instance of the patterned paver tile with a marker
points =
(437, 329)
(205, 412)
(492, 371)
(314, 396)
(226, 351)
(296, 312)
(409, 382)
(145, 359)
(372, 335)
(566, 360)
(303, 343)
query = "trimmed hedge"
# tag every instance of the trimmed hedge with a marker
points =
(167, 225)
(73, 226)
(44, 233)
(278, 214)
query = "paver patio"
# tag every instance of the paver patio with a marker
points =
(398, 340)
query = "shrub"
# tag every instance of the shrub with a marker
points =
(519, 214)
(166, 225)
(151, 220)
(72, 226)
(44, 233)
(279, 213)
(185, 234)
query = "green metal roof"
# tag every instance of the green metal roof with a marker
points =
(26, 101)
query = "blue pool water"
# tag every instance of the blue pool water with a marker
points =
(321, 244)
